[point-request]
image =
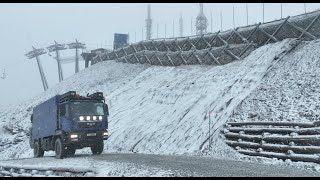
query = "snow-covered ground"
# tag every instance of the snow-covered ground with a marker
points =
(164, 110)
(82, 166)
(289, 92)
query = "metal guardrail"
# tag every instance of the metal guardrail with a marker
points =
(297, 141)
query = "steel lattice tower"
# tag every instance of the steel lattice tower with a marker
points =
(201, 22)
(149, 24)
(57, 47)
(36, 53)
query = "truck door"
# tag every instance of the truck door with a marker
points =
(64, 122)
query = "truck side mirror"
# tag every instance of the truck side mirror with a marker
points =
(106, 110)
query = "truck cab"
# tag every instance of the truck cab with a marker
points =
(68, 122)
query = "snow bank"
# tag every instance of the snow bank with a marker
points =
(155, 109)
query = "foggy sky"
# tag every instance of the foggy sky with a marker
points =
(26, 24)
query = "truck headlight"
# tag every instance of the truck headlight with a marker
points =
(100, 118)
(81, 118)
(73, 136)
(88, 118)
(105, 133)
(94, 118)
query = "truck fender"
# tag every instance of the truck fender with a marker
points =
(58, 132)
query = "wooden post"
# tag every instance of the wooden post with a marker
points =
(209, 133)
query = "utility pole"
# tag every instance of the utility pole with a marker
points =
(35, 53)
(57, 47)
(305, 8)
(211, 20)
(181, 26)
(221, 20)
(148, 24)
(233, 17)
(173, 28)
(263, 12)
(135, 36)
(247, 14)
(157, 30)
(142, 34)
(165, 30)
(281, 9)
(76, 45)
(191, 28)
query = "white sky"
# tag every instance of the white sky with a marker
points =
(25, 25)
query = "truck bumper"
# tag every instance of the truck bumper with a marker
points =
(85, 139)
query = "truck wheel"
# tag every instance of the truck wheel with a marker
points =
(37, 150)
(59, 149)
(70, 151)
(97, 148)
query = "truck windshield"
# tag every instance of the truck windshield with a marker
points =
(86, 108)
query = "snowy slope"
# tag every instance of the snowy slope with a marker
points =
(164, 110)
(290, 92)
(154, 109)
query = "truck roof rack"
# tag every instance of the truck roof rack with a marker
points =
(97, 96)
(67, 96)
(72, 95)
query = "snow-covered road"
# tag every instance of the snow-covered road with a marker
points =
(119, 164)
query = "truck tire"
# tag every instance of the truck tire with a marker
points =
(37, 150)
(97, 148)
(59, 149)
(70, 151)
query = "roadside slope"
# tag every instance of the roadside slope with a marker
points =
(290, 92)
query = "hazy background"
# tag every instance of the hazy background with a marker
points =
(25, 25)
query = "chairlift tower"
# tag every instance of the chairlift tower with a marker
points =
(77, 45)
(57, 47)
(35, 53)
(201, 22)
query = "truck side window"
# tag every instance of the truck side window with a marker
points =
(63, 110)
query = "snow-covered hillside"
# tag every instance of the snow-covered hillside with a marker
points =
(290, 92)
(156, 109)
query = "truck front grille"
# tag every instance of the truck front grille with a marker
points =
(90, 124)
